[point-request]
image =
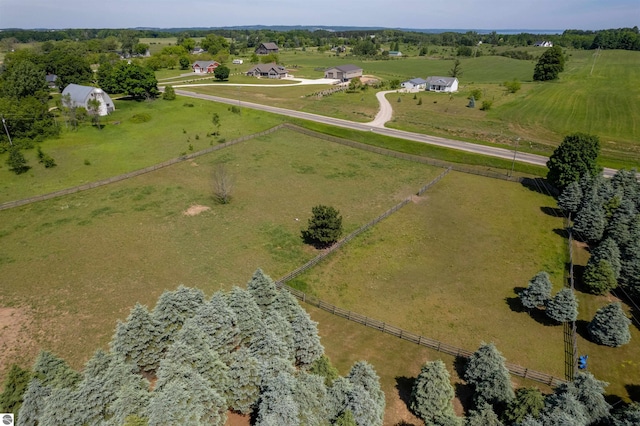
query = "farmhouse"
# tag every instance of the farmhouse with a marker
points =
(414, 85)
(79, 96)
(442, 84)
(204, 67)
(267, 48)
(271, 70)
(543, 44)
(343, 72)
(395, 53)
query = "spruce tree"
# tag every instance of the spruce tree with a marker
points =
(244, 375)
(563, 307)
(538, 292)
(432, 394)
(55, 372)
(277, 404)
(263, 289)
(345, 419)
(590, 392)
(618, 227)
(608, 250)
(218, 322)
(599, 278)
(138, 339)
(276, 323)
(287, 305)
(563, 409)
(590, 222)
(33, 403)
(363, 374)
(310, 394)
(323, 367)
(529, 421)
(527, 402)
(306, 341)
(174, 308)
(248, 315)
(569, 199)
(610, 326)
(482, 416)
(487, 373)
(15, 385)
(62, 407)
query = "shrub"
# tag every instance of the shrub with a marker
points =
(169, 93)
(141, 118)
(512, 86)
(486, 105)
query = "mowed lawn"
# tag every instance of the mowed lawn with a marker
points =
(72, 266)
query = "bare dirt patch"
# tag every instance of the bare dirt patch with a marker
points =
(234, 419)
(195, 210)
(15, 343)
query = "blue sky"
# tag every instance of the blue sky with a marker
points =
(462, 14)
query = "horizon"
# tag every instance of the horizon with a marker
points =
(492, 15)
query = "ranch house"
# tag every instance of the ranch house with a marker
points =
(343, 72)
(267, 48)
(414, 85)
(272, 70)
(79, 96)
(395, 53)
(442, 84)
(204, 67)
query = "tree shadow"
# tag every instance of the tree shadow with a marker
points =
(404, 423)
(634, 392)
(540, 185)
(541, 317)
(562, 232)
(514, 302)
(552, 211)
(578, 282)
(581, 329)
(404, 386)
(460, 365)
(464, 393)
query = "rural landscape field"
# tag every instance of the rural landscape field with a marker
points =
(450, 265)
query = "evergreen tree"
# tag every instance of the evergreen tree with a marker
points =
(219, 324)
(244, 374)
(173, 309)
(15, 385)
(563, 307)
(628, 415)
(528, 402)
(599, 278)
(569, 199)
(575, 157)
(538, 292)
(487, 373)
(530, 421)
(306, 341)
(364, 408)
(277, 405)
(563, 409)
(338, 397)
(323, 367)
(310, 394)
(590, 392)
(610, 326)
(432, 394)
(362, 374)
(608, 250)
(62, 407)
(33, 402)
(276, 323)
(630, 254)
(132, 400)
(287, 305)
(324, 227)
(482, 416)
(590, 222)
(263, 289)
(137, 339)
(345, 419)
(16, 161)
(248, 314)
(54, 372)
(618, 227)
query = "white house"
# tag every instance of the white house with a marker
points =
(442, 84)
(414, 85)
(238, 61)
(79, 96)
(543, 43)
(395, 53)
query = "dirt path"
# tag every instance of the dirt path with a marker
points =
(385, 113)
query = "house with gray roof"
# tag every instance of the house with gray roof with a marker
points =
(343, 72)
(79, 96)
(204, 67)
(271, 70)
(414, 85)
(267, 48)
(442, 84)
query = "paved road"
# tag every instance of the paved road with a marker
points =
(386, 112)
(491, 151)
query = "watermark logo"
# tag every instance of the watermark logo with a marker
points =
(7, 419)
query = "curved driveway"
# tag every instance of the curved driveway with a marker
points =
(376, 127)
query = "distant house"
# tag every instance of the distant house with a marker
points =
(414, 85)
(79, 96)
(267, 48)
(343, 72)
(542, 43)
(204, 67)
(198, 51)
(271, 70)
(395, 53)
(238, 61)
(51, 80)
(442, 84)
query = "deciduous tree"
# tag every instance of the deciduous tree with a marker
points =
(221, 72)
(575, 157)
(550, 65)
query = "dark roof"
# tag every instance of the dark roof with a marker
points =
(416, 81)
(51, 78)
(265, 68)
(347, 68)
(269, 46)
(441, 81)
(204, 64)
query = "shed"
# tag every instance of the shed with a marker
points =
(79, 96)
(343, 72)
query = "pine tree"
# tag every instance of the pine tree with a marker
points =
(538, 292)
(15, 385)
(618, 227)
(432, 394)
(599, 278)
(487, 373)
(363, 374)
(569, 199)
(563, 307)
(55, 372)
(323, 367)
(610, 326)
(263, 289)
(277, 405)
(590, 392)
(248, 315)
(528, 402)
(563, 409)
(219, 324)
(608, 250)
(482, 416)
(138, 339)
(33, 403)
(590, 222)
(310, 394)
(244, 374)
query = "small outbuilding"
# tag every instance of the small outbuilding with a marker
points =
(79, 96)
(271, 70)
(414, 85)
(204, 67)
(343, 72)
(442, 84)
(395, 53)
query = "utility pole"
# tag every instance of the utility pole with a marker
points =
(515, 152)
(6, 130)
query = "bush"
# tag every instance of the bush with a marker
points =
(16, 161)
(512, 86)
(486, 105)
(45, 159)
(169, 94)
(476, 94)
(141, 118)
